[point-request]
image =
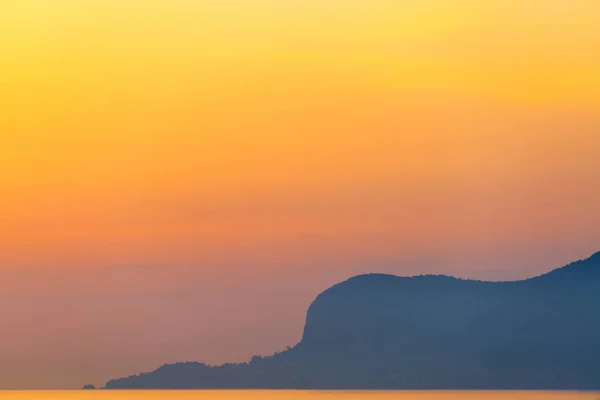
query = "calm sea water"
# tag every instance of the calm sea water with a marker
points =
(291, 395)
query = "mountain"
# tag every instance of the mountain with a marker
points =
(428, 332)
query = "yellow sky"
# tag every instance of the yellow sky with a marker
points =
(117, 111)
(318, 137)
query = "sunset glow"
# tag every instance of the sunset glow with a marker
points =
(209, 147)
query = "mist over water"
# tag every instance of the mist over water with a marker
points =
(295, 395)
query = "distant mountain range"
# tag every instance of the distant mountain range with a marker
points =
(427, 332)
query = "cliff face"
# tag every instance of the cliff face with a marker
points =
(433, 332)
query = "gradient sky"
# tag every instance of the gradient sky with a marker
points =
(179, 179)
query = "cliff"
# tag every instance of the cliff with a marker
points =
(428, 332)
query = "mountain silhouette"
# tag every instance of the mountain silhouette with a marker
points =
(427, 332)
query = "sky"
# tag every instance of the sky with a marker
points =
(179, 179)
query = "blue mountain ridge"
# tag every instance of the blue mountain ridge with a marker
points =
(380, 331)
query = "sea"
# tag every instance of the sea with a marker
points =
(293, 395)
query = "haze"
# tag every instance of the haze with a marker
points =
(179, 179)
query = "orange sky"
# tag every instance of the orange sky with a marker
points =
(155, 155)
